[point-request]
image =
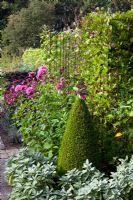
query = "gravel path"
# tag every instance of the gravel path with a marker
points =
(7, 149)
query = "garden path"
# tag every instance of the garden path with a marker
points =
(7, 149)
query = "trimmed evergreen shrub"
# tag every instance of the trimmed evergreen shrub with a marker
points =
(80, 139)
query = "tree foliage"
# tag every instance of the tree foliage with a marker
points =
(23, 20)
(8, 7)
(23, 28)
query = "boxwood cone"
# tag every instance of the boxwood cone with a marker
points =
(80, 140)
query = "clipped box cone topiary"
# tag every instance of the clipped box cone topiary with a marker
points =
(80, 139)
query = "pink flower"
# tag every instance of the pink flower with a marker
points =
(23, 82)
(18, 88)
(32, 74)
(61, 84)
(77, 92)
(24, 87)
(41, 72)
(30, 97)
(33, 84)
(29, 90)
(14, 95)
(62, 79)
(12, 88)
(7, 96)
(83, 97)
(10, 101)
(14, 82)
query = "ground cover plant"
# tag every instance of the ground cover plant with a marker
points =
(34, 176)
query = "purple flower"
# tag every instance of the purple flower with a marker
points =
(29, 90)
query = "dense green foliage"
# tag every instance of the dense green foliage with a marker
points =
(108, 73)
(80, 140)
(35, 177)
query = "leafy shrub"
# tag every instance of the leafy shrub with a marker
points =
(42, 119)
(80, 140)
(34, 57)
(9, 63)
(2, 84)
(38, 105)
(35, 177)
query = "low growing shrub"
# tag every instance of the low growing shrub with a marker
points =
(34, 177)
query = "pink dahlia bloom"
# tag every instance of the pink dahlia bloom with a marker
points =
(41, 72)
(18, 88)
(24, 87)
(29, 90)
